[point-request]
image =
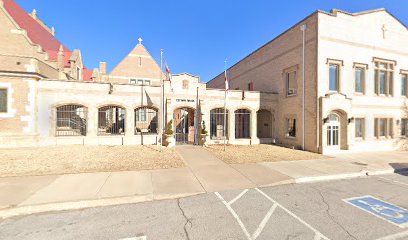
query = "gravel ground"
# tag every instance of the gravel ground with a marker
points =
(260, 153)
(79, 159)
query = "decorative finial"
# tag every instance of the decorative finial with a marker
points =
(53, 31)
(140, 40)
(61, 48)
(34, 13)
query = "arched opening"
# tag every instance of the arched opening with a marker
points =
(264, 124)
(146, 121)
(111, 120)
(218, 124)
(242, 123)
(71, 120)
(184, 121)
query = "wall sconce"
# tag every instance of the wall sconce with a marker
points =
(110, 88)
(350, 120)
(325, 120)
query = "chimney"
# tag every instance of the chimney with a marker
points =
(61, 59)
(103, 68)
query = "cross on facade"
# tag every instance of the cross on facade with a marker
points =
(384, 29)
(140, 40)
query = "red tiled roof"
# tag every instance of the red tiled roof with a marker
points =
(37, 33)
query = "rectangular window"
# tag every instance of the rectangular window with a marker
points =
(250, 86)
(140, 82)
(132, 81)
(404, 85)
(141, 115)
(3, 100)
(359, 80)
(147, 82)
(384, 127)
(404, 127)
(291, 127)
(291, 84)
(384, 78)
(334, 77)
(185, 84)
(359, 126)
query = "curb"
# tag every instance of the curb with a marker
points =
(363, 173)
(78, 205)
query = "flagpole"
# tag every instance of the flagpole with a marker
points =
(225, 104)
(161, 100)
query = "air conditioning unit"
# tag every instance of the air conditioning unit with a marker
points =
(291, 91)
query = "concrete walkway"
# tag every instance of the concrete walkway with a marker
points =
(203, 173)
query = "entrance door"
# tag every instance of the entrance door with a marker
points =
(333, 131)
(184, 125)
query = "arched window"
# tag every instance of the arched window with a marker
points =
(145, 120)
(242, 123)
(217, 125)
(71, 120)
(111, 120)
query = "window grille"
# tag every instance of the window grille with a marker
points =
(71, 120)
(217, 123)
(146, 120)
(111, 120)
(242, 123)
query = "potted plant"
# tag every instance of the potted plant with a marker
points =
(204, 134)
(170, 142)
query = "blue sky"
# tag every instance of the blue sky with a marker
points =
(197, 36)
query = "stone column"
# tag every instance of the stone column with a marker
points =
(129, 122)
(231, 125)
(92, 128)
(254, 126)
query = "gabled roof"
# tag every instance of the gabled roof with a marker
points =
(37, 33)
(138, 63)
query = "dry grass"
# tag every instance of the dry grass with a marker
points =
(80, 159)
(260, 153)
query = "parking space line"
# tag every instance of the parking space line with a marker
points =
(234, 214)
(395, 236)
(238, 197)
(318, 235)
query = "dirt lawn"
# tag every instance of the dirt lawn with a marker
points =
(260, 153)
(80, 159)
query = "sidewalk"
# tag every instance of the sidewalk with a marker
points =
(204, 173)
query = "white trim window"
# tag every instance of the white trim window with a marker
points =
(404, 127)
(359, 80)
(4, 100)
(334, 75)
(291, 84)
(359, 127)
(384, 78)
(291, 127)
(404, 84)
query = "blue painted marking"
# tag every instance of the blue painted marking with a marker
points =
(387, 211)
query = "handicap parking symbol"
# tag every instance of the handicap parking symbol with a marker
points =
(379, 208)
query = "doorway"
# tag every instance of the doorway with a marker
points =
(184, 120)
(333, 131)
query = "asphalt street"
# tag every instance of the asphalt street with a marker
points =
(321, 210)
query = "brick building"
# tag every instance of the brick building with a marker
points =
(353, 68)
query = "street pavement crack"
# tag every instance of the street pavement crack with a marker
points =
(331, 216)
(188, 220)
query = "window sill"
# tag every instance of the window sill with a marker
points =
(293, 95)
(359, 93)
(290, 138)
(359, 139)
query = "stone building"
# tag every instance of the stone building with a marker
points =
(48, 96)
(354, 68)
(340, 81)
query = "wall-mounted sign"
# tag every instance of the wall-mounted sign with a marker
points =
(184, 100)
